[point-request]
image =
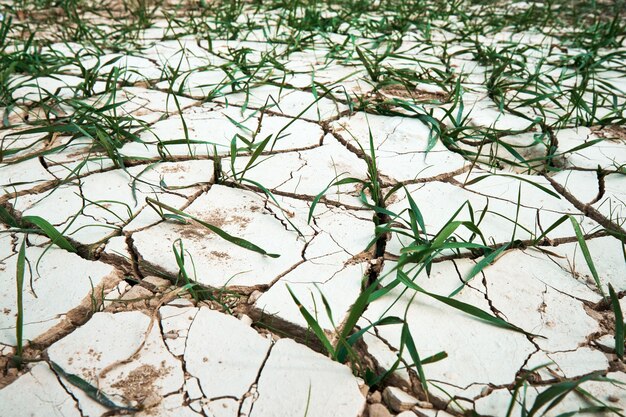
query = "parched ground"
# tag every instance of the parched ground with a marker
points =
(297, 208)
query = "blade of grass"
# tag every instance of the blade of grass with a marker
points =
(232, 239)
(534, 184)
(91, 391)
(619, 323)
(19, 278)
(356, 311)
(331, 184)
(587, 255)
(480, 266)
(464, 307)
(406, 339)
(313, 324)
(7, 218)
(553, 395)
(50, 231)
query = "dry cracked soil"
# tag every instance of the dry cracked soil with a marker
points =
(295, 208)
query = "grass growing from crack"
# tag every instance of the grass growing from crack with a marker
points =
(549, 398)
(38, 225)
(418, 254)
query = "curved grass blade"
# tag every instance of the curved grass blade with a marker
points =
(91, 391)
(50, 231)
(356, 311)
(551, 228)
(385, 321)
(534, 184)
(255, 155)
(464, 307)
(333, 183)
(270, 195)
(416, 216)
(439, 356)
(232, 239)
(7, 218)
(552, 396)
(313, 324)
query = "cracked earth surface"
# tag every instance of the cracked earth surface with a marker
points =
(217, 214)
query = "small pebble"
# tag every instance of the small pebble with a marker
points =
(379, 410)
(246, 319)
(425, 404)
(398, 400)
(254, 296)
(375, 397)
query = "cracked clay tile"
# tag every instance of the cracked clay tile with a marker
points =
(224, 366)
(400, 146)
(59, 275)
(308, 172)
(477, 352)
(529, 294)
(287, 102)
(608, 259)
(217, 127)
(25, 175)
(28, 90)
(124, 355)
(297, 381)
(38, 393)
(219, 262)
(339, 284)
(583, 185)
(606, 154)
(568, 364)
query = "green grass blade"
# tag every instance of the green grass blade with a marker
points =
(269, 194)
(534, 184)
(407, 340)
(587, 255)
(445, 233)
(333, 183)
(480, 266)
(7, 218)
(232, 239)
(416, 215)
(356, 311)
(50, 231)
(19, 278)
(619, 323)
(255, 155)
(439, 356)
(313, 324)
(91, 391)
(464, 307)
(385, 321)
(553, 395)
(551, 228)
